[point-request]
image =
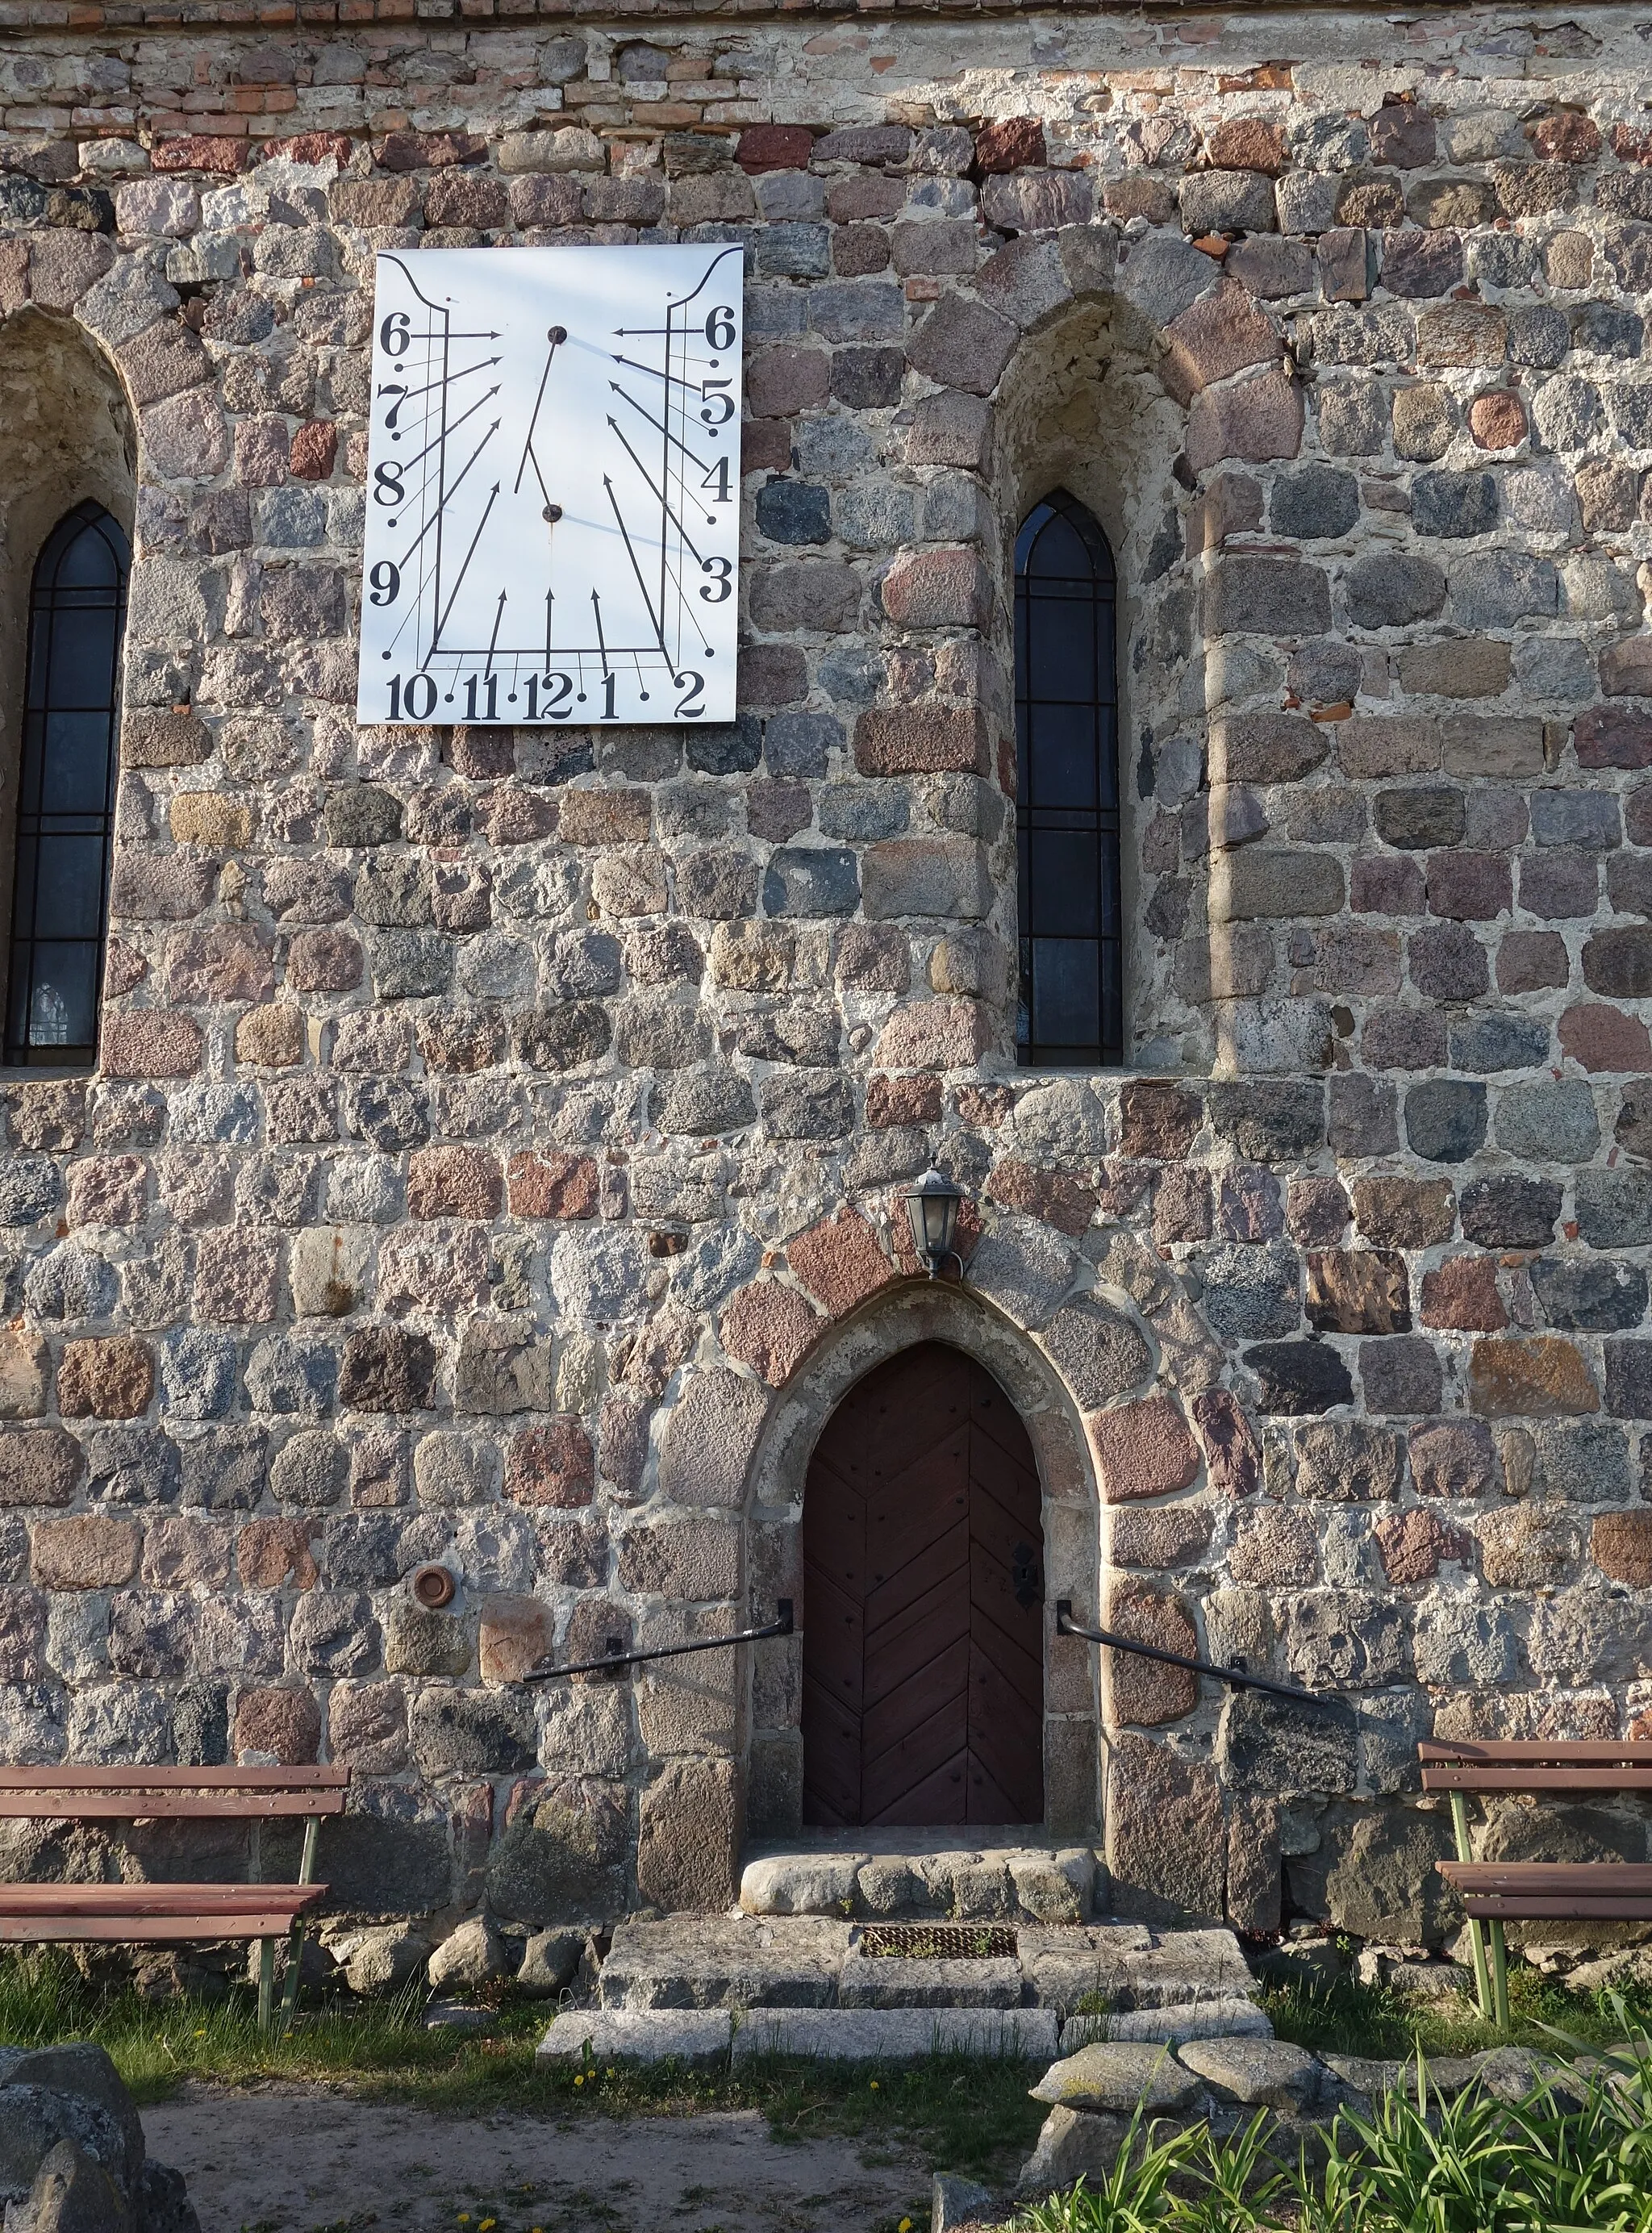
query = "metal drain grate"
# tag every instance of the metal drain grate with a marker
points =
(938, 1942)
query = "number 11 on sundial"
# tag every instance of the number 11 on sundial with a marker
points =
(553, 486)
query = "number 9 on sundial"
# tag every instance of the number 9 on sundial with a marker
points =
(553, 486)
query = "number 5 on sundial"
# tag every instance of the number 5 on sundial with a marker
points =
(553, 486)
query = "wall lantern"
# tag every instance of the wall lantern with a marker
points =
(932, 1206)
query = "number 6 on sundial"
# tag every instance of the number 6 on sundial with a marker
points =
(553, 486)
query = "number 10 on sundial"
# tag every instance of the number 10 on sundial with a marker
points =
(553, 486)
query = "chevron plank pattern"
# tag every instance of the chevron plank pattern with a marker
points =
(923, 1677)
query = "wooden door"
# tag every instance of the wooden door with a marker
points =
(923, 1631)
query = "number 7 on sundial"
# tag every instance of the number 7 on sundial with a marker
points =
(553, 486)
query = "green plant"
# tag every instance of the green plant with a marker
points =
(1574, 2156)
(1239, 2179)
(1434, 2166)
(1342, 2017)
(1135, 2195)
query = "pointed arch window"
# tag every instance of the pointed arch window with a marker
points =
(1071, 1005)
(77, 609)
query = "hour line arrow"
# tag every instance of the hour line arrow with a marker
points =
(499, 615)
(447, 497)
(655, 373)
(660, 495)
(550, 599)
(601, 646)
(442, 622)
(647, 602)
(408, 463)
(664, 429)
(447, 379)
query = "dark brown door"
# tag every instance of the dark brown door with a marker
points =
(923, 1636)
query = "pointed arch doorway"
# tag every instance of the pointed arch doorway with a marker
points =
(923, 1627)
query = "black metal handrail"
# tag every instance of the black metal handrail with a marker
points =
(1236, 1677)
(616, 1655)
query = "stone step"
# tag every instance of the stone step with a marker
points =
(722, 1962)
(905, 1875)
(742, 1962)
(896, 2034)
(698, 2037)
(1219, 2018)
(886, 1981)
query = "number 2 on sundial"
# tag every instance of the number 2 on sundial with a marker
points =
(553, 486)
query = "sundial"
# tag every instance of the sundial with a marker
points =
(553, 486)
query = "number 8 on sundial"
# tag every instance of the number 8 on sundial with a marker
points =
(553, 486)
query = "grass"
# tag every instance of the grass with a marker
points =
(960, 2114)
(1342, 2017)
(966, 2115)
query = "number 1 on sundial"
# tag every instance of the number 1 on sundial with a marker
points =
(553, 486)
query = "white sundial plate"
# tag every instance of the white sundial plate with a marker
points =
(553, 486)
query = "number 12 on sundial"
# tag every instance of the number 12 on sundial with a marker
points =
(553, 486)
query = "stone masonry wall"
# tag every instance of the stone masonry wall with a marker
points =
(492, 1126)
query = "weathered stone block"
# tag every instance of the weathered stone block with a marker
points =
(1538, 1377)
(688, 1837)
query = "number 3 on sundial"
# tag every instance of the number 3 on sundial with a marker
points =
(553, 486)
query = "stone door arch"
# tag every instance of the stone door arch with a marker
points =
(922, 1643)
(888, 1325)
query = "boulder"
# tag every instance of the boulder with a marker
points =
(1111, 2079)
(472, 1957)
(380, 1960)
(72, 2149)
(35, 2120)
(83, 2071)
(72, 2192)
(955, 2202)
(1073, 2144)
(1257, 2074)
(549, 1962)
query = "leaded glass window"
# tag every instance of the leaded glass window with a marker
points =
(65, 789)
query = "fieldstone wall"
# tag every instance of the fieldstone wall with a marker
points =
(492, 1126)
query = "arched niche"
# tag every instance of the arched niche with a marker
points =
(66, 438)
(1082, 407)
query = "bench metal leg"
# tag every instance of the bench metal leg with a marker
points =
(1500, 1979)
(266, 1981)
(296, 1936)
(1476, 1936)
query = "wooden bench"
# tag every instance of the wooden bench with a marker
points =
(168, 1914)
(1495, 1892)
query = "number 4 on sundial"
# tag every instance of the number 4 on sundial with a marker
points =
(553, 486)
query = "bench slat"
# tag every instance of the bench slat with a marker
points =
(1542, 1907)
(1624, 1877)
(1556, 1892)
(143, 1930)
(86, 1778)
(1631, 1750)
(151, 1898)
(135, 1804)
(1580, 1778)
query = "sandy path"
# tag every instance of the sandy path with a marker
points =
(300, 2160)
